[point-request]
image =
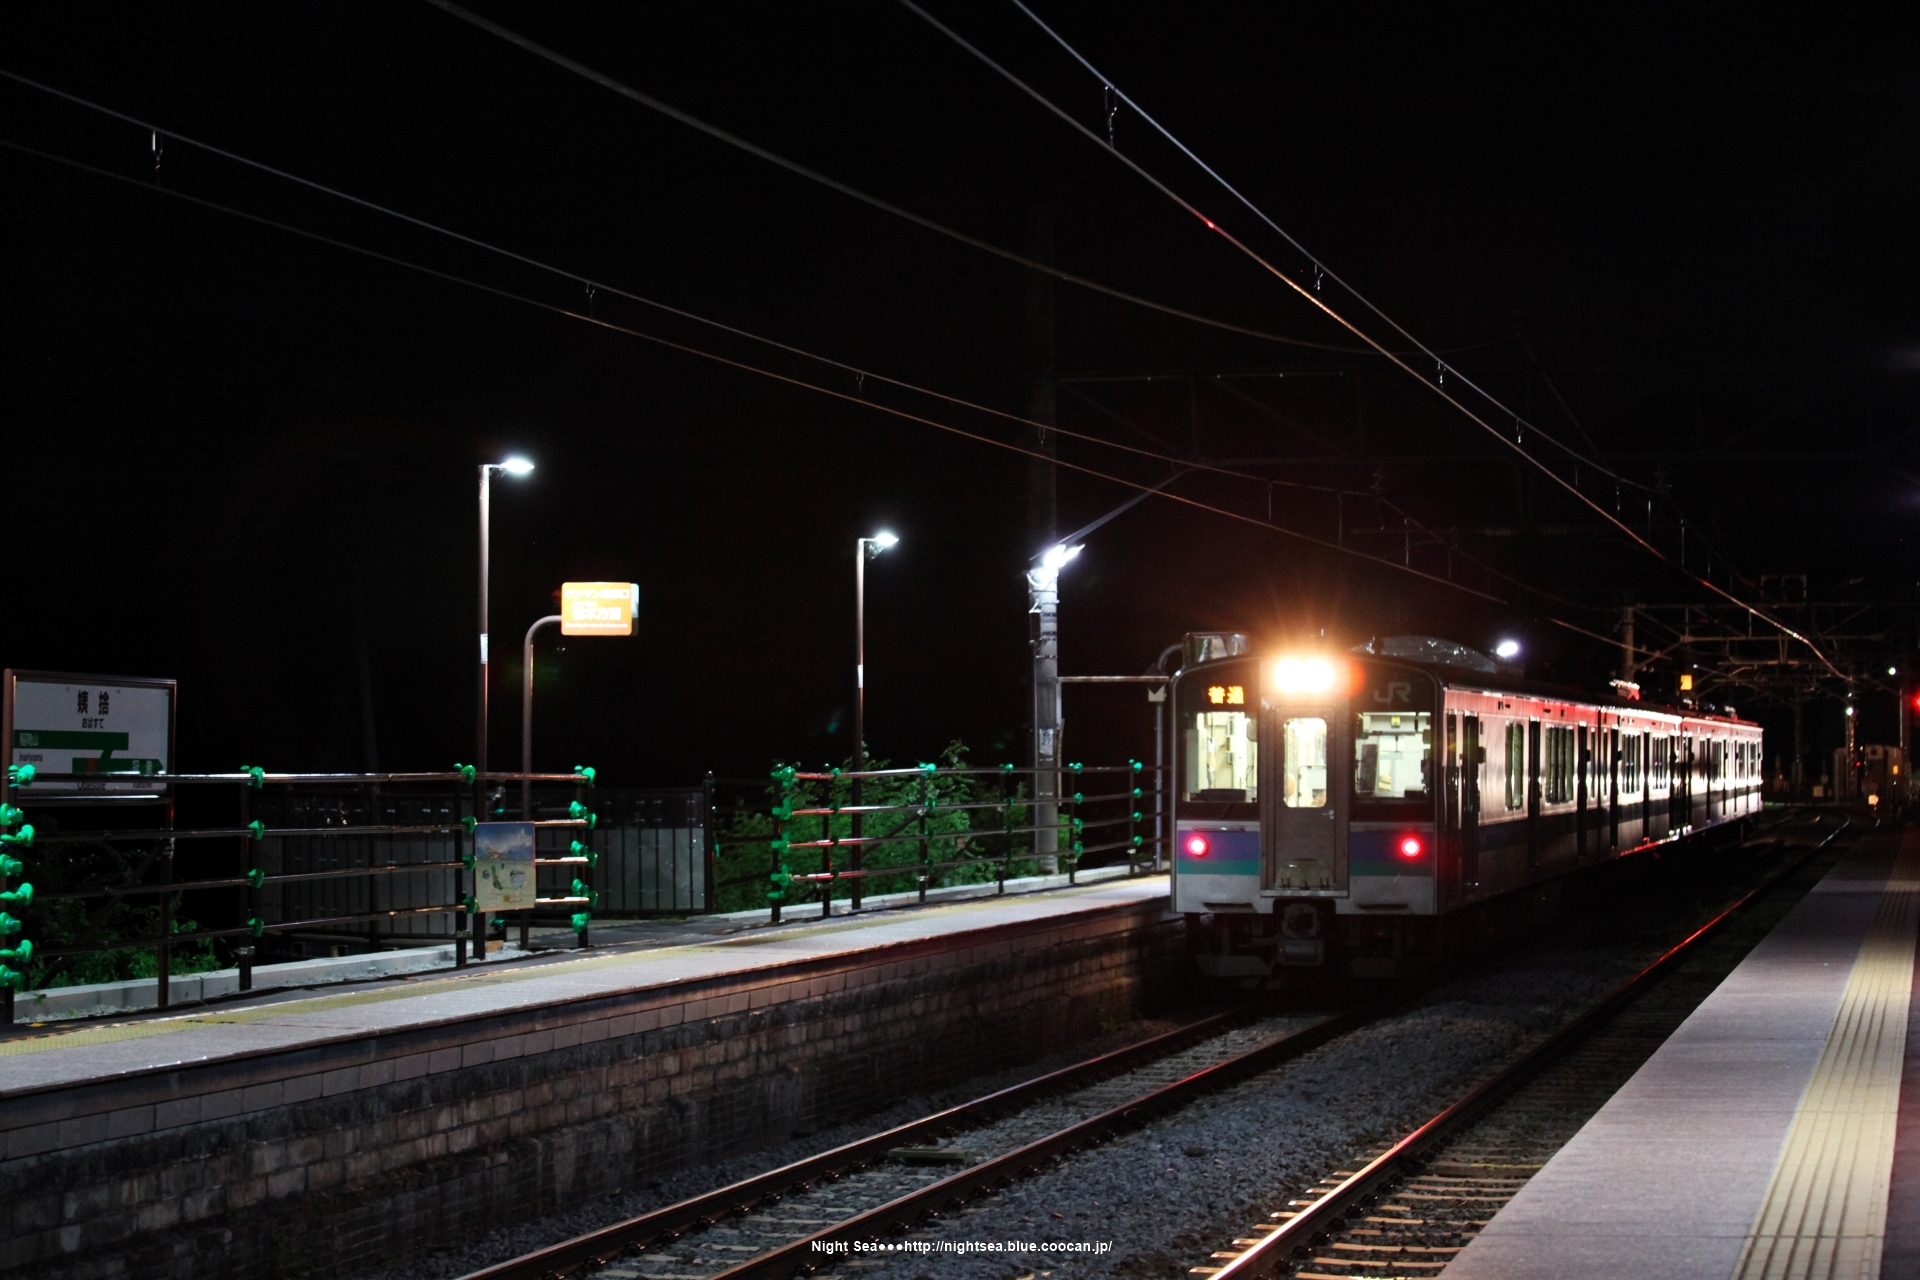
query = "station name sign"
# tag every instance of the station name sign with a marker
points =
(113, 734)
(598, 608)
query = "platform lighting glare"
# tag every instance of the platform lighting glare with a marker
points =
(517, 466)
(1303, 675)
(1893, 671)
(883, 540)
(1849, 710)
(1059, 554)
(1507, 649)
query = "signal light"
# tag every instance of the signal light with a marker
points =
(1411, 846)
(1197, 845)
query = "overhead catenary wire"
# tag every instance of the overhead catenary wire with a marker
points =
(652, 103)
(1436, 384)
(745, 366)
(1322, 271)
(593, 286)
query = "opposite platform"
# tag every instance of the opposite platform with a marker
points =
(1765, 1137)
(323, 1135)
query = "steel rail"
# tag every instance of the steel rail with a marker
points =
(1279, 1249)
(896, 1216)
(597, 1248)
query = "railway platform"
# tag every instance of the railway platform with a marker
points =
(330, 1131)
(1775, 1134)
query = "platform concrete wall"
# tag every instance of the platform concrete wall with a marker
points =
(335, 1159)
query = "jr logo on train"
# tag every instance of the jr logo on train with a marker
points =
(1362, 811)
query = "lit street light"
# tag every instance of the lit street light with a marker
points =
(1508, 649)
(864, 549)
(516, 467)
(1043, 594)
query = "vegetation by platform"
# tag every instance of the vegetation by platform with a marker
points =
(58, 922)
(972, 838)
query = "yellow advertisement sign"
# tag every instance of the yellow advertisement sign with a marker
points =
(598, 608)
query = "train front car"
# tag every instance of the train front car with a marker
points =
(1304, 810)
(1333, 809)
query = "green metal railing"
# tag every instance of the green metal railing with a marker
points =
(955, 824)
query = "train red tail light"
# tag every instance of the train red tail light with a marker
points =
(1411, 846)
(1197, 845)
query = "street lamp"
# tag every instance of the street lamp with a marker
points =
(1043, 595)
(864, 549)
(516, 467)
(526, 713)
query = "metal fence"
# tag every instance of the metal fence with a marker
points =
(654, 855)
(376, 858)
(935, 824)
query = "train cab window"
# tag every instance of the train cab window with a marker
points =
(1516, 763)
(1392, 755)
(1223, 756)
(1303, 768)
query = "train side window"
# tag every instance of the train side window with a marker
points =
(1223, 757)
(1392, 754)
(1558, 776)
(1303, 762)
(1516, 765)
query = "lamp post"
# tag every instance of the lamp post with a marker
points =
(516, 467)
(864, 549)
(1043, 598)
(526, 715)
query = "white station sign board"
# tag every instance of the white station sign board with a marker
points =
(115, 732)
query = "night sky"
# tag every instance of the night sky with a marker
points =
(246, 458)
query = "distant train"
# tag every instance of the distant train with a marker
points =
(1357, 811)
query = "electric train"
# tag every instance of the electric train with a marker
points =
(1361, 810)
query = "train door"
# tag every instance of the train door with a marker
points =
(1646, 785)
(1582, 765)
(1613, 789)
(1450, 797)
(1473, 757)
(1533, 794)
(1303, 816)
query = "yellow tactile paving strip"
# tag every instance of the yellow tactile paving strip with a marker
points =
(1825, 1211)
(56, 1038)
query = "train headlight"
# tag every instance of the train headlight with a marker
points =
(1197, 845)
(1297, 676)
(1411, 846)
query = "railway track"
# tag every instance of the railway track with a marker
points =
(770, 1225)
(1407, 1210)
(790, 1219)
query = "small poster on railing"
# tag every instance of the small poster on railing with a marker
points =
(503, 866)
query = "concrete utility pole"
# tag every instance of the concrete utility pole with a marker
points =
(1799, 773)
(1043, 593)
(1628, 667)
(1906, 731)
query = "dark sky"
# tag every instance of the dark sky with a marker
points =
(243, 458)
